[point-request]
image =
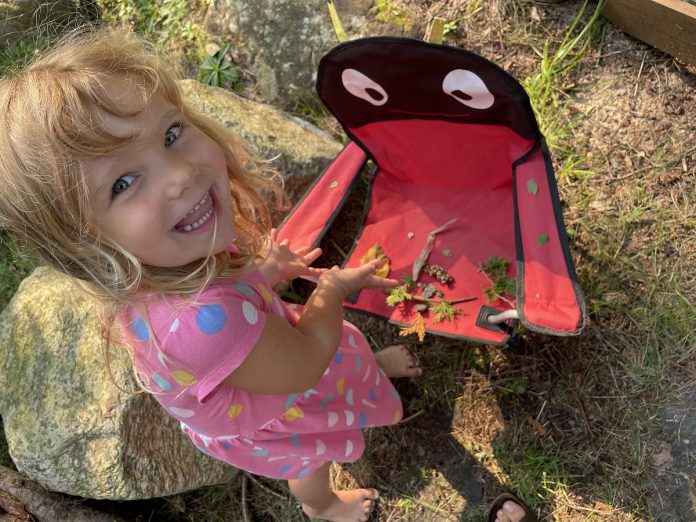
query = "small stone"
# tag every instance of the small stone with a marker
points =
(212, 49)
(334, 185)
(410, 235)
(421, 307)
(429, 291)
(447, 252)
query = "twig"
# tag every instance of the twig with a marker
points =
(423, 256)
(338, 248)
(583, 410)
(616, 52)
(640, 71)
(266, 488)
(462, 300)
(655, 167)
(438, 301)
(245, 511)
(434, 509)
(411, 417)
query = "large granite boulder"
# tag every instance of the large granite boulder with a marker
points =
(281, 41)
(67, 425)
(300, 150)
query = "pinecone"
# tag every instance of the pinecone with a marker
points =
(438, 273)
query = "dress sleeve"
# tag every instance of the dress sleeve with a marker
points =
(207, 340)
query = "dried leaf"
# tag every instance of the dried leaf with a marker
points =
(418, 328)
(532, 187)
(542, 239)
(376, 252)
(663, 458)
(538, 426)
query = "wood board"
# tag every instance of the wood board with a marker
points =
(669, 25)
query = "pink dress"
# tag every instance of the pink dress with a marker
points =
(198, 344)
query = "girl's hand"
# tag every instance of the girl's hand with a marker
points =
(284, 263)
(352, 279)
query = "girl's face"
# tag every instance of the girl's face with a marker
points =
(164, 195)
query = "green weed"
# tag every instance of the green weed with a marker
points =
(549, 99)
(390, 11)
(18, 54)
(216, 70)
(174, 26)
(537, 472)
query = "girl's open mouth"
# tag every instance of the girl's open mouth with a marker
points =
(198, 216)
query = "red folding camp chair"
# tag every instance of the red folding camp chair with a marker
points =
(452, 135)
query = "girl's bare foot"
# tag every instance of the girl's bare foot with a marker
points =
(397, 361)
(353, 505)
(511, 512)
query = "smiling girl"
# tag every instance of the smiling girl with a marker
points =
(112, 179)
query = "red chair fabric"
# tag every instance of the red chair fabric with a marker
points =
(452, 136)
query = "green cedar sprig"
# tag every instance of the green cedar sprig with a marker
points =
(495, 269)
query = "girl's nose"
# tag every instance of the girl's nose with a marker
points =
(179, 176)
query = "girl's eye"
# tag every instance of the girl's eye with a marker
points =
(122, 184)
(172, 134)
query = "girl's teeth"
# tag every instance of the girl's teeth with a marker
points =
(196, 224)
(198, 205)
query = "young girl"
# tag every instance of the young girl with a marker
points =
(156, 210)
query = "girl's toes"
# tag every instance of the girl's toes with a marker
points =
(397, 361)
(414, 371)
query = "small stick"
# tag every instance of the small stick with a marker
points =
(423, 256)
(340, 250)
(640, 72)
(265, 488)
(450, 301)
(245, 510)
(462, 300)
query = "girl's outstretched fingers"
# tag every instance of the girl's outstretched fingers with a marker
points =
(397, 361)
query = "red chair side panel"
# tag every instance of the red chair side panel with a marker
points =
(312, 216)
(549, 299)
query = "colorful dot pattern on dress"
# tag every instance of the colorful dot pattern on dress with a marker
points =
(280, 436)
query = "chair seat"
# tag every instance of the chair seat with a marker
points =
(453, 137)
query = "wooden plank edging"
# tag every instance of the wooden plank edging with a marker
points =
(669, 25)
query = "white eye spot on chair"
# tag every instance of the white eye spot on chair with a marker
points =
(468, 89)
(363, 87)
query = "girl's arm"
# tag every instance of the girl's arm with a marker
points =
(283, 263)
(292, 360)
